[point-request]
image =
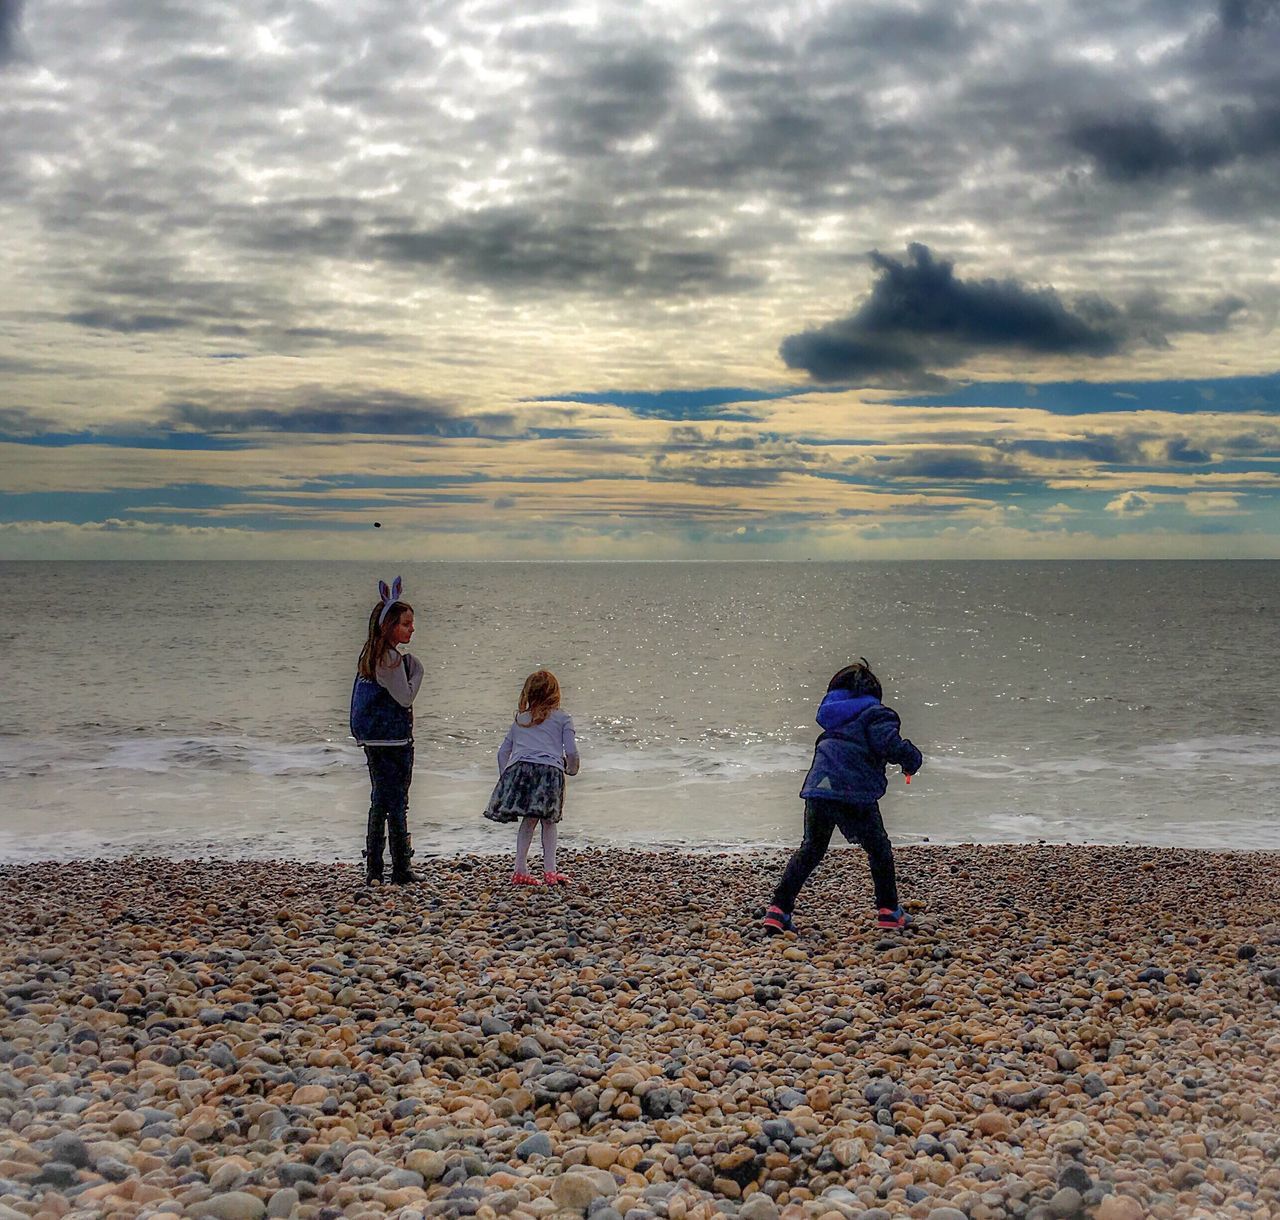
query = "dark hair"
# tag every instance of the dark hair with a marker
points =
(857, 679)
(378, 642)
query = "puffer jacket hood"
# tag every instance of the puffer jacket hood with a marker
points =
(860, 735)
(839, 707)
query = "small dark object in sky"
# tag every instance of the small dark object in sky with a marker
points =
(377, 525)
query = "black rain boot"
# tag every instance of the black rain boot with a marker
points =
(374, 839)
(401, 852)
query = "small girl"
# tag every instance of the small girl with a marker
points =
(387, 681)
(843, 789)
(538, 751)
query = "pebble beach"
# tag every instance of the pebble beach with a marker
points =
(1065, 1032)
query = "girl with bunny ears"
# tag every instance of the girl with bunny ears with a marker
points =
(387, 681)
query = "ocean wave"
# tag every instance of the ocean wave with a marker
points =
(1216, 754)
(235, 753)
(691, 761)
(161, 755)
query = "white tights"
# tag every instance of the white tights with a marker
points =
(524, 837)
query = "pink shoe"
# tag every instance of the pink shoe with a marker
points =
(524, 879)
(557, 879)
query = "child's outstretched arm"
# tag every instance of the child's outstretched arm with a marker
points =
(569, 743)
(890, 744)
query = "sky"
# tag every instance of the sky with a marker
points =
(641, 280)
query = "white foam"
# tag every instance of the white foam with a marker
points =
(1209, 753)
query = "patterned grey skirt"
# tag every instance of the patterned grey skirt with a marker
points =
(528, 790)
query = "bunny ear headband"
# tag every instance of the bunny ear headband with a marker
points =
(389, 597)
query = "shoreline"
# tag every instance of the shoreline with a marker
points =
(1069, 1031)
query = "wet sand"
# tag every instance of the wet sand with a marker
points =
(1066, 1032)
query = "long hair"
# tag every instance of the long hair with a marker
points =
(540, 696)
(378, 641)
(857, 679)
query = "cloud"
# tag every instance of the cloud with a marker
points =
(1112, 449)
(1209, 504)
(952, 464)
(10, 30)
(19, 422)
(451, 218)
(920, 317)
(1237, 16)
(1131, 504)
(327, 413)
(126, 323)
(608, 95)
(1144, 146)
(524, 248)
(722, 457)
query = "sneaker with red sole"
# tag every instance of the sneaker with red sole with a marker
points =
(893, 919)
(557, 879)
(525, 879)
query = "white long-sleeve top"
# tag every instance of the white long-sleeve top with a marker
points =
(400, 675)
(552, 742)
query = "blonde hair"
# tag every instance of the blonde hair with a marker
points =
(378, 641)
(540, 696)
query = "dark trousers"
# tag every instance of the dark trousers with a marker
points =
(390, 774)
(859, 824)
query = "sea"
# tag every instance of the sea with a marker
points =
(199, 709)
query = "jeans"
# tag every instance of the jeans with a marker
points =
(859, 824)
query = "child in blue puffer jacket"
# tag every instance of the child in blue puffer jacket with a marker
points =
(843, 788)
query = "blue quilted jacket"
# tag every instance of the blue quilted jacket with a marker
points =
(376, 718)
(860, 735)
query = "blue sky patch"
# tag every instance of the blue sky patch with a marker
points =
(129, 440)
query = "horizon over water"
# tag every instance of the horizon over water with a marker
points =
(196, 708)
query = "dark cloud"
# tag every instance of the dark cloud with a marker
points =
(951, 465)
(921, 317)
(377, 413)
(1130, 149)
(613, 94)
(125, 323)
(281, 232)
(1208, 110)
(1104, 450)
(19, 422)
(1237, 16)
(517, 247)
(10, 30)
(1137, 449)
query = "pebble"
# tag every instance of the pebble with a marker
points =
(633, 1047)
(234, 1205)
(536, 1145)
